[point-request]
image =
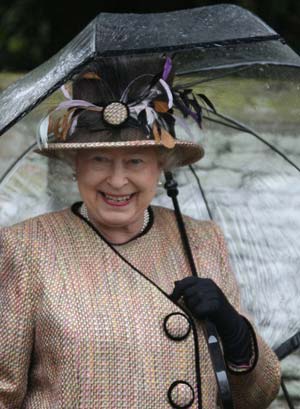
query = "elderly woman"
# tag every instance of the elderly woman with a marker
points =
(97, 306)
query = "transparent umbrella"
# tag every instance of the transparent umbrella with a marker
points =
(248, 181)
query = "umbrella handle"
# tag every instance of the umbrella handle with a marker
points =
(210, 330)
(219, 366)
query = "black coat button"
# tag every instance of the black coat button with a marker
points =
(177, 326)
(181, 395)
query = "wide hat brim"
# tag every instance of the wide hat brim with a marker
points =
(184, 152)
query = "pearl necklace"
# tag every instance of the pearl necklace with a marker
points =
(84, 213)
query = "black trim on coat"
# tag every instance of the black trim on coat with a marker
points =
(74, 209)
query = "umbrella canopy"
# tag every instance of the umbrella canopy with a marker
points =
(219, 36)
(249, 179)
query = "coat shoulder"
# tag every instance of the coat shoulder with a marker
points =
(190, 222)
(33, 223)
(32, 232)
(197, 230)
(27, 247)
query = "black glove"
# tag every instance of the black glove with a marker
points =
(205, 300)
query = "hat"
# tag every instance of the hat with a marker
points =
(115, 102)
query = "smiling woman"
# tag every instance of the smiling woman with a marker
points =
(98, 310)
(117, 186)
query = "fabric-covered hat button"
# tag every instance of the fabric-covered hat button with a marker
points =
(115, 113)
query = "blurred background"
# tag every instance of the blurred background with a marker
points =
(31, 31)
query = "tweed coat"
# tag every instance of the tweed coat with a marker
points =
(82, 328)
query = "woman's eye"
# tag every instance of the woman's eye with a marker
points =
(100, 159)
(136, 161)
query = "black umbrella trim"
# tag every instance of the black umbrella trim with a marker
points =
(16, 162)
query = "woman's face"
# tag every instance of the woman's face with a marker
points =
(117, 185)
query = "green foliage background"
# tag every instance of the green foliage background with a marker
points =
(31, 31)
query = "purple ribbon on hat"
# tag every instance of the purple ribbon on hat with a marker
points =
(167, 68)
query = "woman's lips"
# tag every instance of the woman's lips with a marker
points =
(116, 200)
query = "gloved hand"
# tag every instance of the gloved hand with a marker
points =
(205, 300)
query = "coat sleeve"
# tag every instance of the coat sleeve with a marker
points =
(258, 387)
(17, 300)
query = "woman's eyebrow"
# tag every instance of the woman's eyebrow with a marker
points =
(136, 152)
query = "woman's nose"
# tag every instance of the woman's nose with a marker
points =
(117, 177)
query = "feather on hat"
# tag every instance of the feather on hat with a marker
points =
(117, 102)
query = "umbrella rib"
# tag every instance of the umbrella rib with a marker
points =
(238, 128)
(202, 191)
(244, 128)
(13, 165)
(205, 80)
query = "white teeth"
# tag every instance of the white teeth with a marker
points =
(117, 199)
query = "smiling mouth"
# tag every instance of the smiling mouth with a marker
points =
(116, 200)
